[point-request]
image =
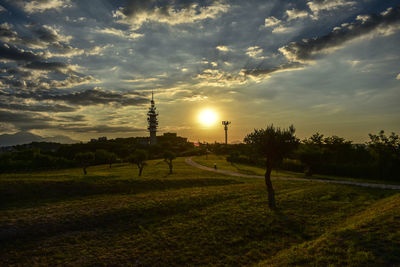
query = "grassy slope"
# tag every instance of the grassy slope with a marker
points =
(191, 217)
(370, 238)
(253, 170)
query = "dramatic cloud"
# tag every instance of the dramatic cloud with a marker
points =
(102, 129)
(120, 33)
(296, 14)
(277, 25)
(223, 48)
(30, 121)
(248, 59)
(175, 12)
(384, 23)
(272, 21)
(317, 6)
(255, 52)
(41, 37)
(94, 97)
(50, 66)
(268, 71)
(43, 5)
(26, 121)
(14, 53)
(218, 78)
(6, 33)
(37, 107)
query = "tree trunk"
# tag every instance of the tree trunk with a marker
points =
(170, 167)
(270, 189)
(140, 170)
(110, 165)
(84, 171)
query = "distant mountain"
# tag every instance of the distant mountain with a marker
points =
(21, 138)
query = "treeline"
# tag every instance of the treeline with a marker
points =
(45, 156)
(379, 158)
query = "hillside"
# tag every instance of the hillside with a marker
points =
(192, 217)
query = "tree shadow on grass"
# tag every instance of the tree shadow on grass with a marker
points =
(20, 194)
(127, 218)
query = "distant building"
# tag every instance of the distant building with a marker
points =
(171, 138)
(144, 141)
(103, 138)
(152, 121)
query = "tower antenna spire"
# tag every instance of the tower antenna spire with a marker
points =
(152, 121)
(226, 123)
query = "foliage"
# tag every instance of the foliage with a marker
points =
(104, 157)
(139, 158)
(386, 151)
(169, 156)
(30, 160)
(85, 159)
(273, 144)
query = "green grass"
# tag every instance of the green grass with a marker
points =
(221, 162)
(192, 217)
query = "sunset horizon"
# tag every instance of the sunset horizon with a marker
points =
(84, 70)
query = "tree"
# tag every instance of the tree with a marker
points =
(139, 158)
(310, 155)
(85, 159)
(111, 158)
(310, 152)
(273, 144)
(386, 151)
(169, 156)
(105, 157)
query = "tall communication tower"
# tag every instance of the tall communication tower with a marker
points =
(152, 121)
(226, 123)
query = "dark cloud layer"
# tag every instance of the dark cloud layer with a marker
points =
(162, 7)
(81, 98)
(267, 71)
(38, 108)
(13, 53)
(86, 67)
(30, 121)
(95, 97)
(50, 66)
(303, 51)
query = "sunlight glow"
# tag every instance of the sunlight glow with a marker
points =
(207, 117)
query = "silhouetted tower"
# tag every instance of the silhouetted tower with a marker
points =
(226, 123)
(152, 121)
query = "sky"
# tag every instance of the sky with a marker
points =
(86, 69)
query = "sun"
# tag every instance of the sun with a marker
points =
(207, 117)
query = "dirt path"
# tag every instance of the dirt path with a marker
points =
(231, 173)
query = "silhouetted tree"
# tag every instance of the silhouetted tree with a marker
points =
(85, 159)
(310, 155)
(111, 158)
(310, 152)
(386, 151)
(105, 157)
(169, 156)
(139, 158)
(273, 144)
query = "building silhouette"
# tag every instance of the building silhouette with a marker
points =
(152, 121)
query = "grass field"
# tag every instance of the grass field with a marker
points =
(192, 217)
(221, 162)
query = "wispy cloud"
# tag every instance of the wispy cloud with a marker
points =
(138, 12)
(385, 23)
